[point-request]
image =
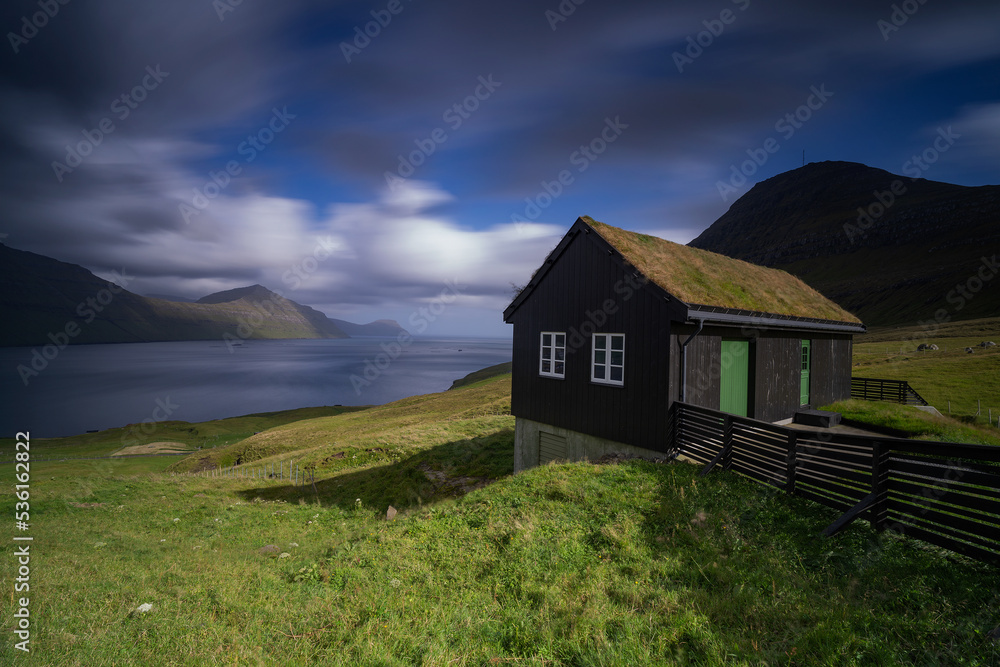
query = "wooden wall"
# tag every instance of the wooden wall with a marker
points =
(587, 291)
(775, 368)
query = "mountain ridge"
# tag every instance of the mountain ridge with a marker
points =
(891, 249)
(55, 302)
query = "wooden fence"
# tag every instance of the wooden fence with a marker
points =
(942, 493)
(897, 391)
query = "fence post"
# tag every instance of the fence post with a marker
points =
(790, 462)
(880, 487)
(727, 442)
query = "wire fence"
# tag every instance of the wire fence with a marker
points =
(283, 472)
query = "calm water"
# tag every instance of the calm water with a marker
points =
(90, 387)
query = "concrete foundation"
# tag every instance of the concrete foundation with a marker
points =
(578, 446)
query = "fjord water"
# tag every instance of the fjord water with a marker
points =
(88, 387)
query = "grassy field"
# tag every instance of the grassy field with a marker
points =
(574, 564)
(970, 382)
(906, 421)
(577, 564)
(210, 434)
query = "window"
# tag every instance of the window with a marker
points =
(552, 359)
(608, 365)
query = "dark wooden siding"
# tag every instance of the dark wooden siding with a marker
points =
(703, 372)
(573, 297)
(831, 370)
(778, 376)
(775, 368)
(587, 290)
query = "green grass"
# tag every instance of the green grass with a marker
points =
(376, 435)
(483, 374)
(949, 375)
(914, 423)
(215, 433)
(566, 564)
(574, 564)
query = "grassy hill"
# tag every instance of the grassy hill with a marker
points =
(574, 564)
(949, 375)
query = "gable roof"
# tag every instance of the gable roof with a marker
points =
(712, 286)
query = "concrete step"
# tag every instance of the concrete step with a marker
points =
(820, 418)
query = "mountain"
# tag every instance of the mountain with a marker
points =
(891, 249)
(376, 328)
(170, 297)
(44, 301)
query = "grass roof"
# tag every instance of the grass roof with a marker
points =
(700, 277)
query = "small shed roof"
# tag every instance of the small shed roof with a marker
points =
(717, 286)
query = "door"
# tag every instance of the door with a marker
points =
(735, 380)
(806, 363)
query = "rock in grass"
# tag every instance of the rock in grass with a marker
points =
(271, 550)
(391, 513)
(143, 608)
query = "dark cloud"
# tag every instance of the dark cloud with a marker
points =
(220, 78)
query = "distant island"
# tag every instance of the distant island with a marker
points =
(49, 302)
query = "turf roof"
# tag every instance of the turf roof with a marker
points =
(700, 277)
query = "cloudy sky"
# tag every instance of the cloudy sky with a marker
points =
(358, 156)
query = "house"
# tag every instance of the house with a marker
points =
(615, 326)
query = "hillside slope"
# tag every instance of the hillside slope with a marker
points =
(896, 260)
(44, 298)
(564, 564)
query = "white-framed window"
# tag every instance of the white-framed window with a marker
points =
(608, 359)
(552, 357)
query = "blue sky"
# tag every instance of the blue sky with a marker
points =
(254, 141)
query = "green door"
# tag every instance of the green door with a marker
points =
(735, 379)
(806, 362)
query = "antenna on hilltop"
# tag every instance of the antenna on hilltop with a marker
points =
(803, 157)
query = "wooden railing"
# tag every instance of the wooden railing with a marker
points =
(897, 391)
(942, 493)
